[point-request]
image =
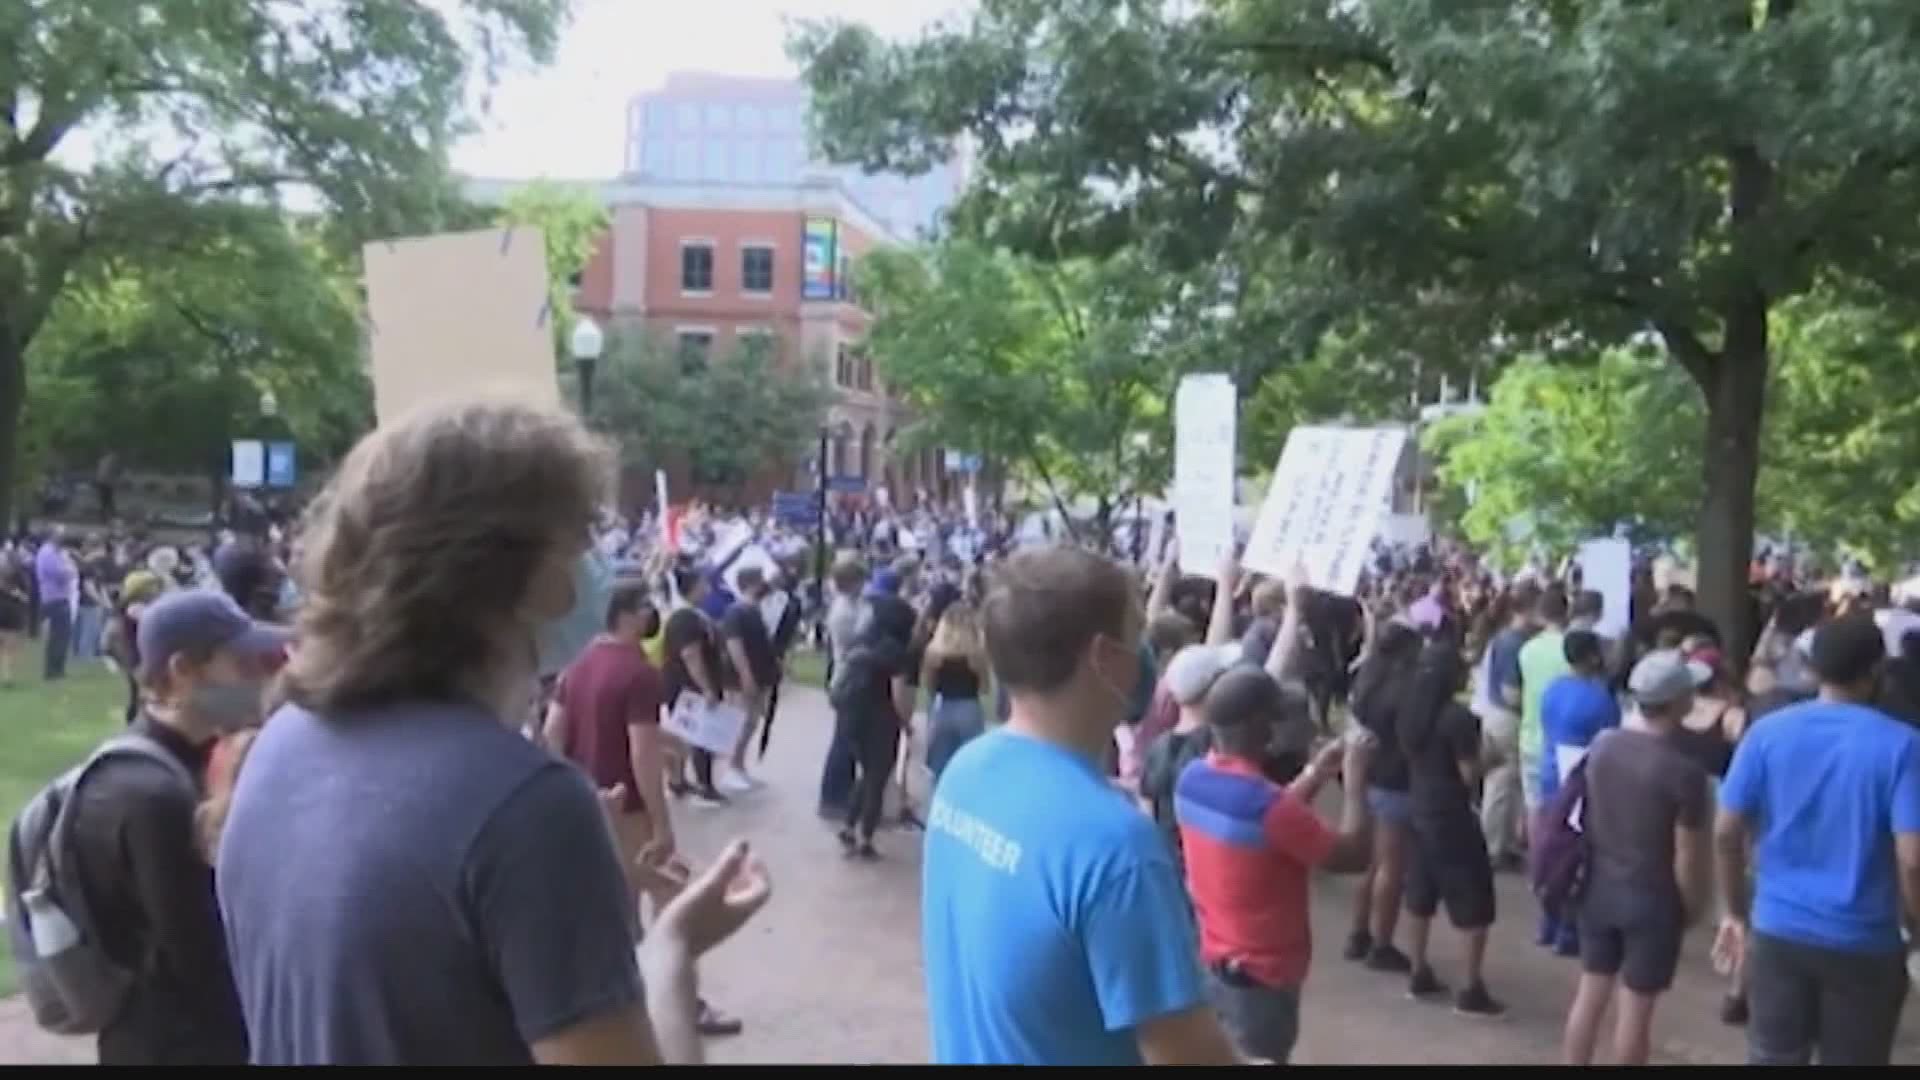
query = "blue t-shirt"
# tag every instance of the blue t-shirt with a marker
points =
(1053, 922)
(1503, 664)
(1825, 787)
(1573, 711)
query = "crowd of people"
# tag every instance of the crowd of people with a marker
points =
(451, 691)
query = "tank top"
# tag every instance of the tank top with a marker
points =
(956, 679)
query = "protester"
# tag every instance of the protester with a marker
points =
(873, 701)
(693, 666)
(1826, 794)
(954, 672)
(477, 914)
(15, 619)
(1449, 864)
(1053, 926)
(57, 577)
(1190, 675)
(1250, 845)
(135, 849)
(1498, 702)
(1377, 898)
(1576, 707)
(752, 669)
(1542, 660)
(1646, 815)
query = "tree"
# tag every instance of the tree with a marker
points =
(1056, 370)
(725, 420)
(572, 221)
(1511, 176)
(166, 361)
(1564, 452)
(199, 113)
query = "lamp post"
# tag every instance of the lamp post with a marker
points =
(586, 344)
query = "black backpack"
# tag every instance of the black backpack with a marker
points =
(71, 984)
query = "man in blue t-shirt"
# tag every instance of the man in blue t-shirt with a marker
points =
(1576, 708)
(1827, 792)
(1055, 929)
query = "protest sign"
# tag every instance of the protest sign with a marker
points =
(249, 463)
(713, 728)
(459, 312)
(1330, 491)
(1606, 567)
(1203, 460)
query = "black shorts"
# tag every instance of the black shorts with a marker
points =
(1810, 1003)
(1449, 864)
(1630, 938)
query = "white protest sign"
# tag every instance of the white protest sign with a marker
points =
(249, 463)
(1203, 447)
(1606, 567)
(714, 729)
(972, 499)
(756, 557)
(1330, 491)
(459, 312)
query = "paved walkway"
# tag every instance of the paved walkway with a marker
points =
(830, 972)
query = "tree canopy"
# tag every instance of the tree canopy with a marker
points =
(1054, 371)
(1500, 177)
(572, 222)
(133, 131)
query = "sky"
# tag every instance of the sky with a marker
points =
(567, 120)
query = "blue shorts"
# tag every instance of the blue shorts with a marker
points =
(1392, 807)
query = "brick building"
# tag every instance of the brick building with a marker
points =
(704, 266)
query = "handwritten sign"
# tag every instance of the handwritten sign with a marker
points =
(1203, 457)
(714, 729)
(457, 313)
(1330, 491)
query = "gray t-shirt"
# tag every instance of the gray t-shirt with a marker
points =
(418, 885)
(1639, 787)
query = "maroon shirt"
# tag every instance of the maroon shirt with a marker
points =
(611, 687)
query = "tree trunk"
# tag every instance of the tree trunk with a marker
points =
(1735, 385)
(13, 397)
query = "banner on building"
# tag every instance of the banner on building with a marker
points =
(819, 258)
(1330, 491)
(249, 463)
(281, 472)
(1203, 466)
(459, 312)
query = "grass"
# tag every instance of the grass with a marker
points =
(46, 727)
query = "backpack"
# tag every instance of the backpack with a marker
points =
(1558, 861)
(71, 984)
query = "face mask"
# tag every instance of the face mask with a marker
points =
(558, 640)
(225, 707)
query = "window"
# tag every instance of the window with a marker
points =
(687, 116)
(746, 118)
(696, 267)
(756, 268)
(659, 158)
(719, 117)
(746, 162)
(779, 165)
(686, 160)
(762, 340)
(866, 372)
(843, 280)
(842, 367)
(716, 161)
(695, 346)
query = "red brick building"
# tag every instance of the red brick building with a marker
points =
(704, 266)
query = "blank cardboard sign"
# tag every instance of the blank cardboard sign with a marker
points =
(459, 313)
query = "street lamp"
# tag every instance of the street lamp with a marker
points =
(587, 343)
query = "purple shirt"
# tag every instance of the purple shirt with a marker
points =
(56, 574)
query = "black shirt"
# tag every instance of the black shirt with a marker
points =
(956, 679)
(684, 628)
(138, 861)
(744, 623)
(1434, 755)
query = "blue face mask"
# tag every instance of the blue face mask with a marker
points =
(559, 640)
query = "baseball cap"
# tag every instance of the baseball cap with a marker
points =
(1663, 677)
(201, 620)
(1192, 671)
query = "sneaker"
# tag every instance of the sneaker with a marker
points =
(867, 851)
(737, 783)
(1359, 944)
(848, 845)
(708, 797)
(715, 1024)
(1425, 984)
(1733, 1010)
(1388, 959)
(1476, 1002)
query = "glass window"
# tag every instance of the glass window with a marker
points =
(715, 161)
(756, 269)
(843, 279)
(719, 117)
(687, 115)
(686, 160)
(659, 117)
(746, 118)
(696, 267)
(762, 341)
(746, 161)
(659, 161)
(695, 345)
(779, 169)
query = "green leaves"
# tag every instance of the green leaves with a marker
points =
(572, 221)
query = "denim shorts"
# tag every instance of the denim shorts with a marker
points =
(1392, 807)
(1262, 1021)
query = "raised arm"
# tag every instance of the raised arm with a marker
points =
(1225, 581)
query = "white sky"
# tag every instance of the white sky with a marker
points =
(568, 119)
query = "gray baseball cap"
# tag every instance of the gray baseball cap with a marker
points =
(1665, 676)
(201, 620)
